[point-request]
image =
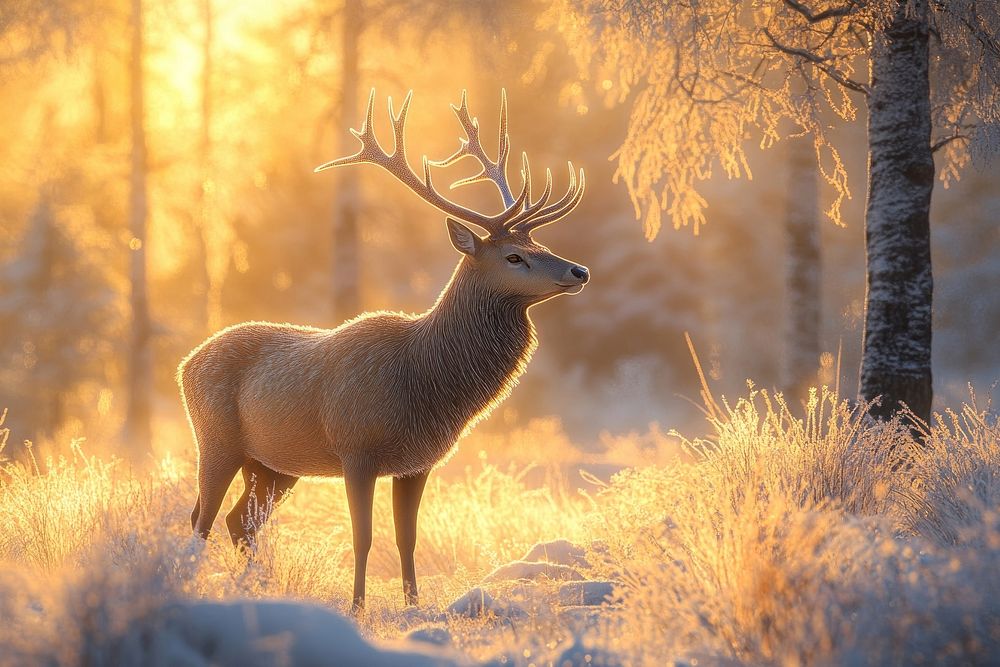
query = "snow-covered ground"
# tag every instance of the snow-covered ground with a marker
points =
(790, 541)
(549, 580)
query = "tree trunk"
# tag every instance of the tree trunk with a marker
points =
(100, 93)
(48, 381)
(896, 354)
(345, 274)
(140, 367)
(211, 318)
(804, 269)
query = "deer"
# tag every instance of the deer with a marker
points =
(386, 393)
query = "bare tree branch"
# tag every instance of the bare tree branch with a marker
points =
(820, 63)
(941, 143)
(816, 17)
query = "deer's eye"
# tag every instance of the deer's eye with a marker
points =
(514, 259)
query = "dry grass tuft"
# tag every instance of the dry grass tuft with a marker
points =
(804, 541)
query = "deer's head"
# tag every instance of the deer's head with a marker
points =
(506, 258)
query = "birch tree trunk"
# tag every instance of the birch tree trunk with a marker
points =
(896, 354)
(139, 375)
(344, 273)
(804, 314)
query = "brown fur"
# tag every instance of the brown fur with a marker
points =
(383, 394)
(386, 393)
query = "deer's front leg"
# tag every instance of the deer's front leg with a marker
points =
(360, 493)
(406, 494)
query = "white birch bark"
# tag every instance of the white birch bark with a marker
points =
(896, 355)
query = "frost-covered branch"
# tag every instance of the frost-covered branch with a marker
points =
(711, 71)
(976, 24)
(820, 62)
(826, 14)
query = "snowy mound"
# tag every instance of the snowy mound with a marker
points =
(557, 560)
(561, 552)
(588, 593)
(256, 632)
(436, 635)
(478, 602)
(520, 569)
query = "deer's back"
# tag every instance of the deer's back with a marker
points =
(306, 401)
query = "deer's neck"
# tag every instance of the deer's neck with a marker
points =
(480, 339)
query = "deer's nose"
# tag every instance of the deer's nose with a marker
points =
(581, 273)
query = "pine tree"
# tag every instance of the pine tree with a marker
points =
(58, 310)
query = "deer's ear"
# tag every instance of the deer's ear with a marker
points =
(464, 239)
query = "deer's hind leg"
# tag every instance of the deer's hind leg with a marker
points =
(215, 474)
(263, 490)
(195, 512)
(219, 459)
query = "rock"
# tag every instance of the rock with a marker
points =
(586, 593)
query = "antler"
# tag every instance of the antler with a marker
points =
(519, 214)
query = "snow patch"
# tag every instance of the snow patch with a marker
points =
(257, 632)
(581, 617)
(561, 552)
(193, 549)
(478, 602)
(436, 635)
(587, 593)
(520, 569)
(576, 654)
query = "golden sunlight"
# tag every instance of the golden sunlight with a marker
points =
(369, 332)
